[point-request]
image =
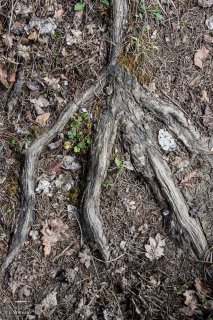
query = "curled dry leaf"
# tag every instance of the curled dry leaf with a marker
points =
(155, 250)
(190, 302)
(59, 12)
(202, 288)
(12, 77)
(7, 39)
(199, 56)
(53, 232)
(3, 77)
(33, 36)
(42, 118)
(204, 96)
(39, 103)
(208, 39)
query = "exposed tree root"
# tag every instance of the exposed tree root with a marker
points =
(127, 104)
(28, 177)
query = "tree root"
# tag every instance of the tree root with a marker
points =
(28, 176)
(127, 104)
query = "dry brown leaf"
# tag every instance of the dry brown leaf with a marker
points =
(33, 36)
(53, 232)
(190, 180)
(53, 83)
(7, 39)
(208, 39)
(42, 118)
(155, 250)
(190, 302)
(202, 288)
(59, 12)
(204, 96)
(12, 77)
(3, 77)
(199, 56)
(85, 257)
(205, 3)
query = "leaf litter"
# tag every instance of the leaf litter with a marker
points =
(155, 248)
(53, 231)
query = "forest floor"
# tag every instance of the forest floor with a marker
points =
(168, 46)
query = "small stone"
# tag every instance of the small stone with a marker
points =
(166, 141)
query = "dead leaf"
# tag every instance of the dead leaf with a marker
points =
(7, 39)
(53, 232)
(208, 39)
(190, 180)
(3, 77)
(54, 167)
(199, 56)
(53, 83)
(155, 250)
(40, 103)
(205, 3)
(33, 36)
(42, 118)
(23, 51)
(204, 97)
(12, 77)
(59, 13)
(85, 257)
(48, 303)
(191, 303)
(202, 288)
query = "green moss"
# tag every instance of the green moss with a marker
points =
(74, 195)
(135, 68)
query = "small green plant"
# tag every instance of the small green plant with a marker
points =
(10, 210)
(79, 6)
(43, 71)
(106, 186)
(79, 133)
(155, 11)
(180, 288)
(118, 163)
(105, 2)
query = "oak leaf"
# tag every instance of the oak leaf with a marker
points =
(155, 250)
(53, 232)
(199, 56)
(190, 302)
(42, 118)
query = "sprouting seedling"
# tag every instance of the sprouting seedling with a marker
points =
(79, 6)
(105, 2)
(79, 134)
(118, 163)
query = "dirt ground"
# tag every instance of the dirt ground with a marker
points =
(64, 46)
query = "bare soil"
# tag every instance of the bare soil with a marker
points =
(71, 281)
